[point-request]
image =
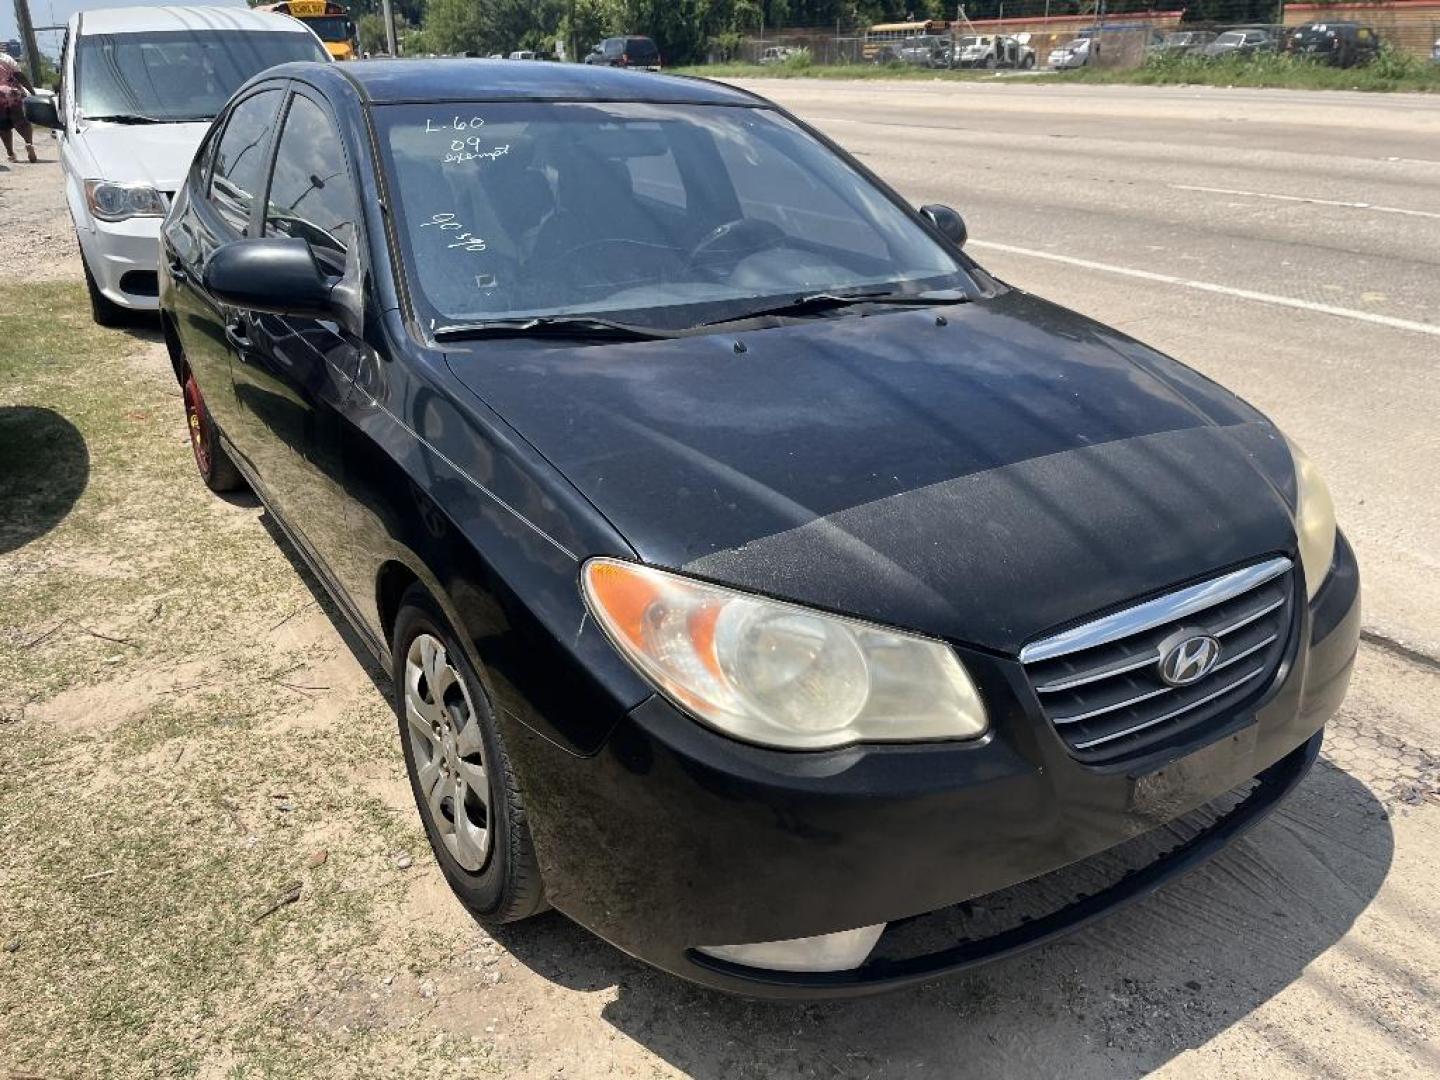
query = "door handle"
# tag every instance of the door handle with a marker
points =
(177, 271)
(235, 335)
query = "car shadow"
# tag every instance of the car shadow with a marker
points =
(1119, 999)
(44, 467)
(142, 326)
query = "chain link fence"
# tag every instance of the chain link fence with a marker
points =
(1410, 27)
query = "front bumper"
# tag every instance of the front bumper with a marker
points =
(124, 257)
(673, 837)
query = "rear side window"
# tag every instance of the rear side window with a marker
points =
(239, 168)
(311, 194)
(614, 46)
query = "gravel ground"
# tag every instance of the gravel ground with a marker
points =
(39, 236)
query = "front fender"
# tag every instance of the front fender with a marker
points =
(451, 498)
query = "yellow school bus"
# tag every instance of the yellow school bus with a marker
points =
(330, 21)
(884, 36)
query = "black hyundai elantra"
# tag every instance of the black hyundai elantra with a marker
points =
(756, 572)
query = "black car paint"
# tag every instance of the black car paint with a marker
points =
(1343, 44)
(1003, 474)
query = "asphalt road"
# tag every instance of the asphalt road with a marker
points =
(1286, 244)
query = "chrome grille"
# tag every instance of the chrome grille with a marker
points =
(1100, 683)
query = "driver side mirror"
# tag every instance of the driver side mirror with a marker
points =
(948, 223)
(41, 112)
(281, 276)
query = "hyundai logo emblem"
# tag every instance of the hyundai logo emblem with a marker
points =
(1188, 659)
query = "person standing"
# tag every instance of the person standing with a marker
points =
(14, 85)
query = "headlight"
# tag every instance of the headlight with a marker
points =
(116, 202)
(779, 674)
(1314, 521)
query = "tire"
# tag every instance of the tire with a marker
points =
(499, 881)
(104, 310)
(1027, 63)
(211, 460)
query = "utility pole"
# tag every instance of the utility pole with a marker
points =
(389, 27)
(27, 38)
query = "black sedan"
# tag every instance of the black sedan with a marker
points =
(756, 572)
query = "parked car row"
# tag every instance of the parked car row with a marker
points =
(992, 51)
(1340, 44)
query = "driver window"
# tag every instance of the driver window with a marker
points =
(240, 157)
(311, 195)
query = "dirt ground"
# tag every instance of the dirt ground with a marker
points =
(210, 865)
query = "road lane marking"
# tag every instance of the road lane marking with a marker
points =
(1223, 290)
(1308, 199)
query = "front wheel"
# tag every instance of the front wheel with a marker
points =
(104, 310)
(460, 773)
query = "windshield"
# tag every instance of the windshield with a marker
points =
(664, 216)
(179, 75)
(330, 27)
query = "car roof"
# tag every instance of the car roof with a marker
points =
(387, 82)
(140, 20)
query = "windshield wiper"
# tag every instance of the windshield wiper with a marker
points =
(824, 301)
(140, 118)
(551, 326)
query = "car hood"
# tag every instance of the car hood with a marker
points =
(154, 154)
(984, 480)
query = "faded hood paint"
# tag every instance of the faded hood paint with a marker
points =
(983, 481)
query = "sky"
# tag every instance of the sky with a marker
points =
(56, 12)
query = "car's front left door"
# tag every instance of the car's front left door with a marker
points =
(215, 209)
(298, 371)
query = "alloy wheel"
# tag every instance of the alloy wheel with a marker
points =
(195, 416)
(449, 751)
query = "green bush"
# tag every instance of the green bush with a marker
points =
(799, 61)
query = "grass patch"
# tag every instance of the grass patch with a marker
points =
(1390, 72)
(167, 762)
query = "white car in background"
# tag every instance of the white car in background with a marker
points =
(139, 89)
(1073, 54)
(992, 51)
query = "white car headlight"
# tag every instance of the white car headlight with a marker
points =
(779, 674)
(117, 202)
(1314, 521)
